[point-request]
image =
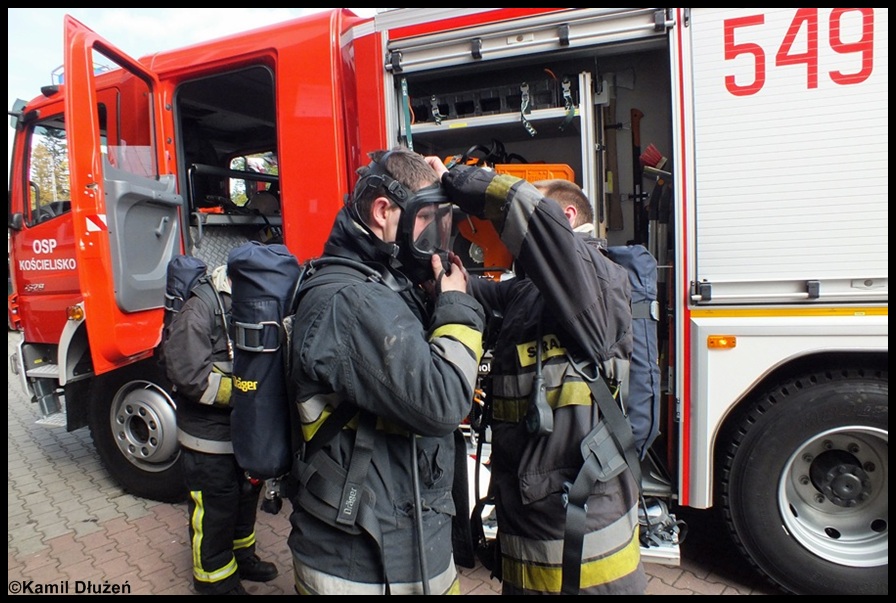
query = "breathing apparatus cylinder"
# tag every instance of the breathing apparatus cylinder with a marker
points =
(263, 277)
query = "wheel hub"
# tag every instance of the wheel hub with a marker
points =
(839, 476)
(144, 424)
(833, 496)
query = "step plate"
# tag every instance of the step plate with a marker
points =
(57, 419)
(663, 555)
(44, 370)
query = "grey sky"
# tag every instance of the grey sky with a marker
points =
(36, 35)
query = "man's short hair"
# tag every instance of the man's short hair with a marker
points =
(566, 193)
(405, 166)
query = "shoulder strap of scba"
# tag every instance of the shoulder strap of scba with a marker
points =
(338, 496)
(340, 269)
(607, 451)
(205, 290)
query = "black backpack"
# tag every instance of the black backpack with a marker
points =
(642, 400)
(187, 276)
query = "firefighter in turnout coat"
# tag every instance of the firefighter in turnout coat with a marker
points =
(223, 502)
(559, 292)
(373, 508)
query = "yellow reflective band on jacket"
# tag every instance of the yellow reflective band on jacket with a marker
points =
(200, 573)
(555, 373)
(526, 199)
(543, 576)
(309, 429)
(550, 348)
(218, 389)
(224, 391)
(497, 194)
(513, 410)
(470, 337)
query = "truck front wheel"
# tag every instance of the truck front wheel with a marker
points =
(134, 429)
(805, 483)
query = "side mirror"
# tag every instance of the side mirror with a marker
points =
(16, 221)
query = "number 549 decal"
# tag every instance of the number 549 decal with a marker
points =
(801, 46)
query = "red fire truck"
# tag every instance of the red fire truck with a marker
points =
(746, 148)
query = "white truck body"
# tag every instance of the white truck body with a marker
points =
(773, 123)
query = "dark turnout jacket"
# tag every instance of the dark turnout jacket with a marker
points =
(562, 289)
(196, 344)
(407, 367)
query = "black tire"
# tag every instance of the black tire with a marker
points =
(805, 482)
(134, 428)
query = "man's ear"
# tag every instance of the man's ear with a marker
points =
(571, 214)
(379, 211)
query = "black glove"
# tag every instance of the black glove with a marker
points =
(479, 192)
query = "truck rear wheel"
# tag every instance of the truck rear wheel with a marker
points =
(805, 483)
(134, 429)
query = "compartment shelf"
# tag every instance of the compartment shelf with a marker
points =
(479, 121)
(506, 126)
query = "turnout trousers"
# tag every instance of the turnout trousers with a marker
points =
(222, 504)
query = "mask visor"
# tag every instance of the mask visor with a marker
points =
(432, 228)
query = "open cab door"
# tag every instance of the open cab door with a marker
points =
(125, 208)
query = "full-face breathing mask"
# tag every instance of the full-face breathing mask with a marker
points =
(425, 225)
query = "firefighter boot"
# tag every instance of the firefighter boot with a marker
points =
(255, 570)
(237, 590)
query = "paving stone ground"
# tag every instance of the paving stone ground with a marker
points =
(70, 526)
